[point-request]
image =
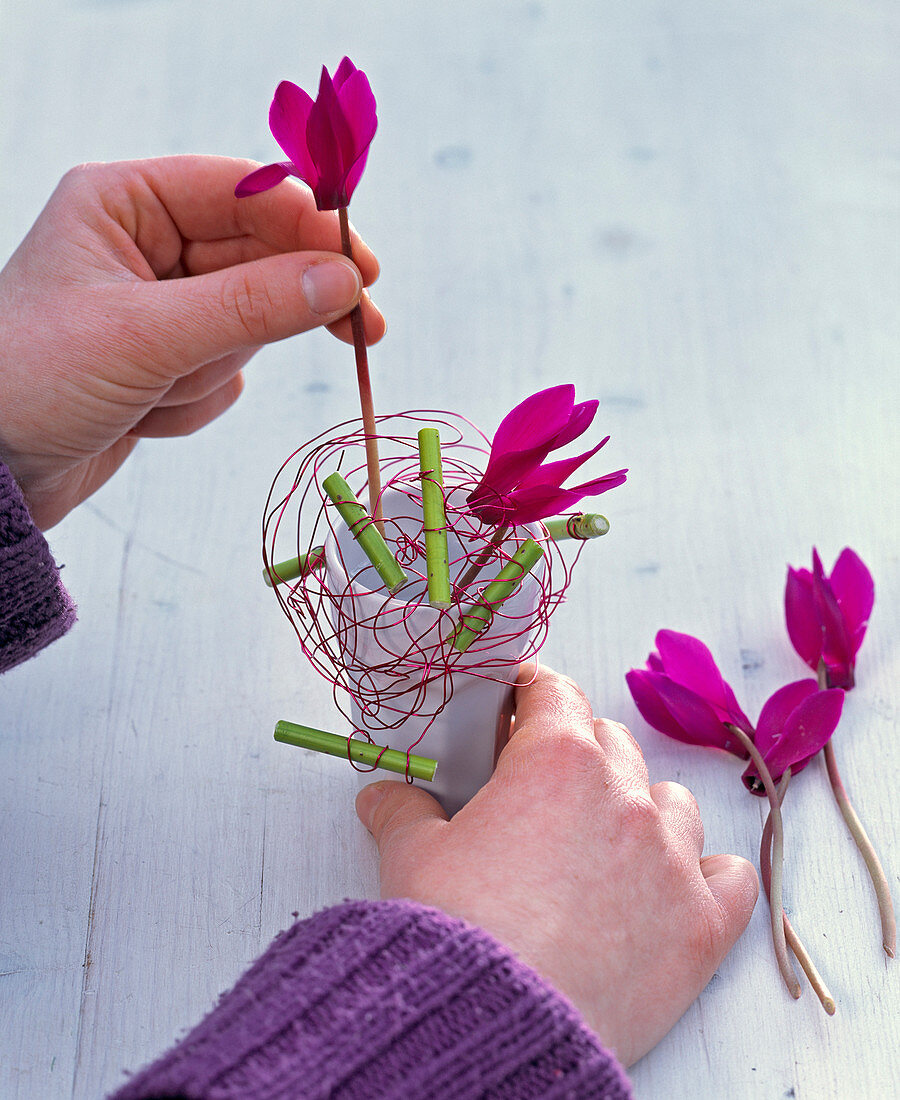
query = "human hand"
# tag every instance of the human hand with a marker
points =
(135, 300)
(567, 855)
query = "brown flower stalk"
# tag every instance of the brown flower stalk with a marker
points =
(775, 892)
(484, 557)
(365, 388)
(861, 838)
(793, 940)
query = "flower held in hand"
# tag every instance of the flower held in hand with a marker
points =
(327, 139)
(518, 487)
(827, 616)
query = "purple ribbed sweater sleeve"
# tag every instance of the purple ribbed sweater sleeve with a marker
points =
(35, 609)
(386, 999)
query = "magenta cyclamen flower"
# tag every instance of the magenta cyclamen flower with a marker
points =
(326, 140)
(794, 724)
(518, 487)
(827, 616)
(682, 694)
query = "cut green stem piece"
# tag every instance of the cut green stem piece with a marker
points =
(794, 942)
(477, 617)
(436, 558)
(305, 737)
(293, 568)
(587, 525)
(362, 528)
(775, 893)
(364, 383)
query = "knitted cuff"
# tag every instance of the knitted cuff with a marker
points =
(386, 999)
(35, 608)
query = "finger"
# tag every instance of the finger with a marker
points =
(681, 813)
(621, 752)
(195, 194)
(392, 811)
(165, 423)
(734, 886)
(553, 704)
(205, 380)
(181, 323)
(373, 323)
(201, 257)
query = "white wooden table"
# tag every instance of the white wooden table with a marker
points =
(687, 208)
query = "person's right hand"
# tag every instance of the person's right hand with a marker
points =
(138, 295)
(571, 858)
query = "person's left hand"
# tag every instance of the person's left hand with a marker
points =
(135, 300)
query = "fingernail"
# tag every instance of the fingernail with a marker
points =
(331, 286)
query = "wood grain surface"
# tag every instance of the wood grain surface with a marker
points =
(689, 209)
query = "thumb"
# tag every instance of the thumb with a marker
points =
(734, 886)
(391, 810)
(185, 322)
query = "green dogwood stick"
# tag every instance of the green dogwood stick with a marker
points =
(436, 560)
(294, 567)
(477, 617)
(362, 527)
(305, 737)
(587, 525)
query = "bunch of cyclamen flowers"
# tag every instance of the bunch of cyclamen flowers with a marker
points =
(682, 694)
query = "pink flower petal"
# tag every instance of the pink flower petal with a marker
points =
(262, 179)
(776, 711)
(642, 685)
(854, 591)
(535, 421)
(599, 484)
(343, 72)
(330, 143)
(837, 648)
(803, 625)
(675, 711)
(288, 118)
(555, 473)
(540, 501)
(358, 106)
(581, 419)
(806, 729)
(688, 661)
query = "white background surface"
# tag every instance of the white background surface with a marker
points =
(688, 209)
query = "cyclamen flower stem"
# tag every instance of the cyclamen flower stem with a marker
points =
(484, 557)
(861, 839)
(775, 892)
(873, 864)
(820, 989)
(365, 388)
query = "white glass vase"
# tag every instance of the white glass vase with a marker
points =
(409, 691)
